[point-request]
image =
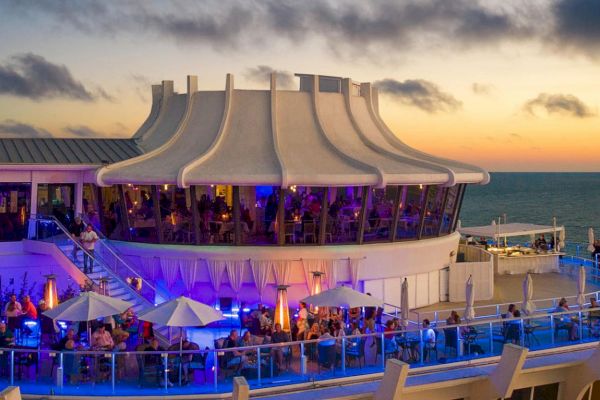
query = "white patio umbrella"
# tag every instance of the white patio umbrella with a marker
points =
(87, 307)
(181, 312)
(561, 239)
(493, 222)
(342, 296)
(404, 302)
(458, 225)
(590, 247)
(528, 306)
(470, 298)
(581, 286)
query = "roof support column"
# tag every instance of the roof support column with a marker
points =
(125, 229)
(363, 215)
(281, 218)
(79, 195)
(396, 215)
(99, 206)
(157, 213)
(237, 237)
(458, 205)
(423, 212)
(443, 211)
(323, 217)
(195, 215)
(33, 202)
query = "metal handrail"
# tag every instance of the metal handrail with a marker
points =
(104, 239)
(100, 261)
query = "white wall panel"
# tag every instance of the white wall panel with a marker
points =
(422, 294)
(434, 287)
(391, 290)
(375, 287)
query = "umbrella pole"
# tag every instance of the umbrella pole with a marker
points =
(180, 352)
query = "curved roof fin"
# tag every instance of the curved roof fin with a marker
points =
(274, 131)
(218, 139)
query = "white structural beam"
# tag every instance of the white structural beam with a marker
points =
(393, 381)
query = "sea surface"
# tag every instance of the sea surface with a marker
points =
(573, 198)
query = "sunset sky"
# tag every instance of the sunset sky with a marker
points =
(507, 85)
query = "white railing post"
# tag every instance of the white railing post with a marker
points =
(259, 366)
(491, 338)
(166, 369)
(112, 367)
(580, 323)
(552, 329)
(421, 346)
(302, 360)
(383, 351)
(215, 368)
(344, 355)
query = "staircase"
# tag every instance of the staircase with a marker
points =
(108, 266)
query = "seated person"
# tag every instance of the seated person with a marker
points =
(572, 324)
(101, 339)
(265, 322)
(354, 314)
(69, 336)
(155, 360)
(6, 336)
(513, 328)
(234, 358)
(279, 336)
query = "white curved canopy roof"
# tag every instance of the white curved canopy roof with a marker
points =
(314, 136)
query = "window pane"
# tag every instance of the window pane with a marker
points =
(380, 205)
(409, 212)
(302, 205)
(343, 214)
(14, 210)
(433, 211)
(450, 209)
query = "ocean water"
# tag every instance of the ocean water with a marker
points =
(573, 198)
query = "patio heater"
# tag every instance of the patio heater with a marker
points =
(50, 291)
(282, 311)
(103, 287)
(317, 286)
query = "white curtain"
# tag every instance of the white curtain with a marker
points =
(235, 273)
(332, 272)
(312, 266)
(354, 265)
(282, 271)
(149, 267)
(260, 273)
(216, 268)
(188, 268)
(170, 269)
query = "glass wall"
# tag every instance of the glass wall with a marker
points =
(228, 215)
(14, 210)
(57, 200)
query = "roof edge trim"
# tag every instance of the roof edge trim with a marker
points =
(183, 171)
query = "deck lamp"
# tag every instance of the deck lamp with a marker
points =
(103, 286)
(282, 311)
(50, 291)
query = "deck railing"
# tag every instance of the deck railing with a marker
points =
(146, 373)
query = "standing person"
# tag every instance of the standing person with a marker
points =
(279, 336)
(13, 311)
(370, 318)
(88, 239)
(76, 229)
(302, 322)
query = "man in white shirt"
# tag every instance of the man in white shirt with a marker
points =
(429, 339)
(88, 240)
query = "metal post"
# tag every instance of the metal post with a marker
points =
(344, 355)
(491, 338)
(302, 360)
(258, 366)
(165, 365)
(522, 332)
(112, 367)
(580, 323)
(435, 317)
(383, 351)
(59, 372)
(458, 343)
(215, 371)
(421, 346)
(497, 310)
(552, 329)
(12, 368)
